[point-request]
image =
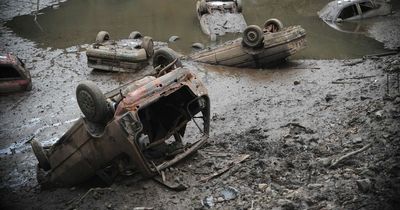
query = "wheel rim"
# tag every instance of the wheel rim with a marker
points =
(87, 103)
(252, 36)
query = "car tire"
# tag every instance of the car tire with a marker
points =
(40, 155)
(253, 36)
(102, 36)
(92, 102)
(239, 5)
(164, 56)
(203, 7)
(135, 35)
(148, 45)
(278, 25)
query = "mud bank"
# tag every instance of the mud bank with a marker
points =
(294, 121)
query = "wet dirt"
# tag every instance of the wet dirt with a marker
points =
(293, 121)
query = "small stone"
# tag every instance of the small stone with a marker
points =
(364, 185)
(379, 114)
(329, 97)
(296, 82)
(363, 98)
(220, 199)
(357, 140)
(262, 186)
(325, 161)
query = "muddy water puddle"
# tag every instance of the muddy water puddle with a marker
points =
(77, 22)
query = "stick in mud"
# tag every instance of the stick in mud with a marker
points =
(226, 168)
(337, 161)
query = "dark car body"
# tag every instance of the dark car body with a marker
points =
(13, 74)
(149, 114)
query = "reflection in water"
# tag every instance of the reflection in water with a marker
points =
(77, 22)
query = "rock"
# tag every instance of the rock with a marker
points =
(379, 114)
(329, 97)
(173, 38)
(198, 46)
(364, 185)
(286, 204)
(316, 185)
(296, 82)
(262, 186)
(324, 161)
(357, 140)
(363, 98)
(397, 100)
(220, 199)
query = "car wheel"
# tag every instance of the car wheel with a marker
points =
(92, 102)
(148, 45)
(40, 155)
(239, 5)
(102, 36)
(165, 56)
(203, 7)
(273, 25)
(253, 36)
(135, 35)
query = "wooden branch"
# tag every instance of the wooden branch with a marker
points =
(226, 168)
(344, 157)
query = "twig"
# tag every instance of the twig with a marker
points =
(86, 194)
(337, 161)
(226, 168)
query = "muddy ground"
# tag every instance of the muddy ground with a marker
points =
(294, 121)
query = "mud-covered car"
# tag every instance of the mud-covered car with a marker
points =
(13, 74)
(139, 127)
(123, 55)
(349, 10)
(220, 17)
(258, 47)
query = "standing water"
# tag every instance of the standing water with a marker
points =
(77, 22)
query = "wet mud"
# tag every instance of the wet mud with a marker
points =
(294, 121)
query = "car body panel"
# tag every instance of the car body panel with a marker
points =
(222, 17)
(121, 56)
(13, 75)
(87, 148)
(332, 11)
(276, 46)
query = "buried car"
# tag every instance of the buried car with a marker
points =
(13, 74)
(139, 127)
(349, 10)
(258, 47)
(123, 56)
(220, 17)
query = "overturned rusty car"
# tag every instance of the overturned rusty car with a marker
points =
(124, 55)
(220, 17)
(14, 76)
(258, 47)
(139, 127)
(350, 10)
